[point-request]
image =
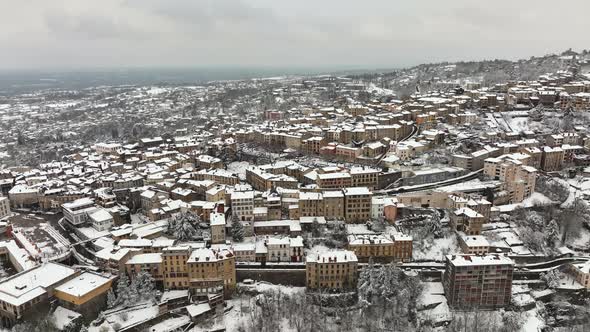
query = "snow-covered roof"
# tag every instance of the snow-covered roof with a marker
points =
(333, 256)
(195, 310)
(33, 283)
(100, 215)
(83, 284)
(476, 241)
(217, 219)
(201, 255)
(473, 260)
(356, 191)
(151, 258)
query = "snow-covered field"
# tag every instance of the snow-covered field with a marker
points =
(239, 168)
(437, 248)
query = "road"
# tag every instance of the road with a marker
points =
(427, 186)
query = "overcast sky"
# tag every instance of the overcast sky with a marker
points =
(276, 33)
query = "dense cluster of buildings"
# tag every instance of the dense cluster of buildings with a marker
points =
(287, 176)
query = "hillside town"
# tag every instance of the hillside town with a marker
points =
(443, 197)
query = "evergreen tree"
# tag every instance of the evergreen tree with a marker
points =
(111, 299)
(237, 229)
(182, 226)
(122, 289)
(145, 287)
(315, 228)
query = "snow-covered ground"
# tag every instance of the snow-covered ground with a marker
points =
(380, 91)
(437, 248)
(533, 322)
(239, 315)
(317, 250)
(239, 168)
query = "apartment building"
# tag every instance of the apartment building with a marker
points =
(54, 198)
(478, 281)
(149, 262)
(383, 248)
(552, 159)
(364, 177)
(23, 292)
(474, 244)
(76, 212)
(278, 249)
(336, 270)
(244, 252)
(311, 204)
(261, 180)
(217, 224)
(581, 273)
(218, 175)
(204, 161)
(519, 179)
(336, 180)
(4, 207)
(23, 196)
(466, 220)
(174, 262)
(242, 205)
(334, 205)
(100, 219)
(86, 291)
(211, 271)
(312, 145)
(357, 204)
(536, 156)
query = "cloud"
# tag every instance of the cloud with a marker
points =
(369, 34)
(89, 26)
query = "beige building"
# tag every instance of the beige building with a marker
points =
(217, 224)
(151, 263)
(332, 270)
(26, 291)
(429, 199)
(203, 270)
(334, 180)
(581, 272)
(519, 179)
(474, 244)
(84, 292)
(242, 205)
(23, 196)
(478, 281)
(383, 248)
(4, 207)
(357, 204)
(334, 205)
(175, 268)
(364, 177)
(211, 271)
(552, 159)
(311, 204)
(466, 220)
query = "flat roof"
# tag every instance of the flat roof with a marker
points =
(83, 284)
(32, 283)
(473, 260)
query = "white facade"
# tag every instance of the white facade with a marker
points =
(101, 219)
(76, 212)
(4, 207)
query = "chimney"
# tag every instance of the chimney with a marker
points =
(220, 208)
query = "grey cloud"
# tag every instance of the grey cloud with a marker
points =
(89, 26)
(372, 33)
